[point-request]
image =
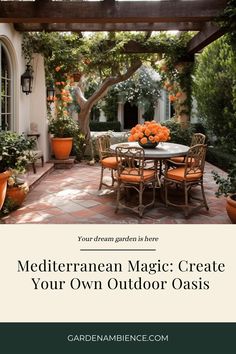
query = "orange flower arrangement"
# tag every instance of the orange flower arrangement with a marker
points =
(149, 131)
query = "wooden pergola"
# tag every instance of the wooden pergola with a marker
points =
(112, 15)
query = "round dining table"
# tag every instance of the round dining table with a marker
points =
(162, 151)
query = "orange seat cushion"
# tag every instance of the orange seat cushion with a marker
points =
(131, 175)
(178, 159)
(109, 162)
(178, 174)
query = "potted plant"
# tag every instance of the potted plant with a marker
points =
(3, 186)
(63, 129)
(16, 192)
(13, 157)
(227, 187)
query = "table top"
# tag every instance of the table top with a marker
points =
(161, 151)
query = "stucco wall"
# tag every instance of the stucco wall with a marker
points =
(32, 107)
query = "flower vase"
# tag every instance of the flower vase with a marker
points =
(148, 145)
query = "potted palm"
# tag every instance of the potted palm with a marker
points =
(227, 187)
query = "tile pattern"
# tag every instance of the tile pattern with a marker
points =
(72, 197)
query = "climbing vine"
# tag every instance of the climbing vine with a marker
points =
(102, 55)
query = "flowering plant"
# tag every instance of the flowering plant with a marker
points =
(16, 180)
(149, 131)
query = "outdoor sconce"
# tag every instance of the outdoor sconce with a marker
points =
(27, 80)
(50, 93)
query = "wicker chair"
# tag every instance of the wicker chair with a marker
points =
(131, 174)
(197, 138)
(106, 159)
(187, 176)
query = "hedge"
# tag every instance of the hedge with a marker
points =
(105, 126)
(220, 159)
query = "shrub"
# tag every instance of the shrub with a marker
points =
(178, 133)
(13, 149)
(226, 185)
(215, 93)
(105, 126)
(219, 158)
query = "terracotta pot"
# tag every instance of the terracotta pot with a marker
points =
(3, 186)
(16, 195)
(62, 147)
(231, 207)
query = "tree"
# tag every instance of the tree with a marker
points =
(143, 88)
(100, 57)
(214, 89)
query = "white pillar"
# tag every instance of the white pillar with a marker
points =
(39, 116)
(120, 114)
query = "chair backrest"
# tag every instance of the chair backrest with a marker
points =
(198, 138)
(195, 159)
(130, 161)
(103, 146)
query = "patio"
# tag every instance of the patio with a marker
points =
(71, 196)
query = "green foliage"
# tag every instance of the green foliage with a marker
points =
(220, 158)
(226, 185)
(227, 20)
(179, 134)
(59, 50)
(13, 149)
(78, 145)
(215, 91)
(110, 105)
(143, 88)
(105, 126)
(101, 54)
(63, 127)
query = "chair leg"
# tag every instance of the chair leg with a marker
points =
(140, 207)
(112, 177)
(42, 159)
(117, 196)
(101, 179)
(166, 192)
(185, 200)
(204, 197)
(34, 167)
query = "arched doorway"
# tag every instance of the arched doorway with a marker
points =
(6, 88)
(130, 115)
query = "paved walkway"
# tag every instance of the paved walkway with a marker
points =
(72, 197)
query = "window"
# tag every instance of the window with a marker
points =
(6, 89)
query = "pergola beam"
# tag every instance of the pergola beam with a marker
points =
(109, 12)
(93, 27)
(208, 34)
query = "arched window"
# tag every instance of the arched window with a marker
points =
(5, 89)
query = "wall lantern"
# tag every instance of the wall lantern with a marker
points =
(27, 80)
(50, 93)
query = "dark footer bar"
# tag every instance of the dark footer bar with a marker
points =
(122, 338)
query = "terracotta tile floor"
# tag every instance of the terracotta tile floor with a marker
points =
(72, 197)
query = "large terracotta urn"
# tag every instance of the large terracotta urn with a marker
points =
(231, 207)
(3, 186)
(62, 147)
